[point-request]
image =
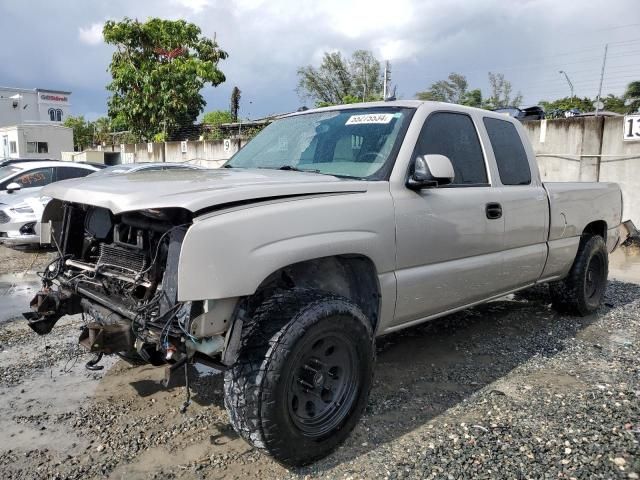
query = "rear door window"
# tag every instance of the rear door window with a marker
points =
(65, 173)
(38, 177)
(454, 136)
(511, 157)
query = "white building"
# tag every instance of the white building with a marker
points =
(19, 105)
(31, 123)
(35, 140)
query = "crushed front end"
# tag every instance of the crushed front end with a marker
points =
(120, 273)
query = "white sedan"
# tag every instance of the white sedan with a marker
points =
(20, 203)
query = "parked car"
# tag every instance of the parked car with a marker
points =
(523, 114)
(8, 161)
(20, 203)
(331, 227)
(139, 167)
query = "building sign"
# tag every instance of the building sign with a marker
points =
(183, 147)
(50, 97)
(227, 145)
(631, 128)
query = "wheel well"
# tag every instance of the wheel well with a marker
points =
(599, 227)
(351, 276)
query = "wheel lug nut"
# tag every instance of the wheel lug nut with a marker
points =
(305, 384)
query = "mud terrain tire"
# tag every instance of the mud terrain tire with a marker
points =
(583, 290)
(303, 375)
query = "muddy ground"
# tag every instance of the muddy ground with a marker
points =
(506, 390)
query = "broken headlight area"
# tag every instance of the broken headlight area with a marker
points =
(120, 272)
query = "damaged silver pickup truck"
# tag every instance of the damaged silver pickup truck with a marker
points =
(331, 227)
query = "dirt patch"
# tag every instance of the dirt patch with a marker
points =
(23, 260)
(506, 390)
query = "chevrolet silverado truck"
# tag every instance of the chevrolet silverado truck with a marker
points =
(331, 227)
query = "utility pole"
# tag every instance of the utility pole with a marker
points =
(604, 61)
(385, 85)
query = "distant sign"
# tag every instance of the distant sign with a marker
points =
(183, 147)
(227, 144)
(54, 98)
(149, 147)
(631, 128)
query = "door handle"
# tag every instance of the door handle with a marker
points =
(493, 210)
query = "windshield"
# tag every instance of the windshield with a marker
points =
(354, 143)
(113, 169)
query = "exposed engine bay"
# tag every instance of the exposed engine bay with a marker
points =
(120, 273)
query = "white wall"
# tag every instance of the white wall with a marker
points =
(57, 137)
(207, 153)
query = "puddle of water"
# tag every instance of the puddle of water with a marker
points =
(16, 290)
(624, 264)
(39, 399)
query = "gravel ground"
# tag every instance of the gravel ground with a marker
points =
(506, 390)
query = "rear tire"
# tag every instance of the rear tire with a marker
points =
(303, 375)
(582, 291)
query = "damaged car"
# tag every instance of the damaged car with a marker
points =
(330, 228)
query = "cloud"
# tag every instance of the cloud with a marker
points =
(194, 5)
(395, 49)
(267, 40)
(91, 35)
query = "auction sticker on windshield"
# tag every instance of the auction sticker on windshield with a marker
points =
(370, 118)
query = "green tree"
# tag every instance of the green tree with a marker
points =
(472, 98)
(614, 104)
(217, 117)
(234, 104)
(584, 104)
(632, 97)
(82, 132)
(452, 90)
(366, 76)
(102, 131)
(158, 70)
(213, 120)
(501, 93)
(342, 80)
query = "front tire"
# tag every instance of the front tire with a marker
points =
(581, 293)
(303, 375)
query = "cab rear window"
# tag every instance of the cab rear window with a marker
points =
(511, 157)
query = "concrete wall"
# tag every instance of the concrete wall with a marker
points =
(207, 153)
(589, 149)
(90, 156)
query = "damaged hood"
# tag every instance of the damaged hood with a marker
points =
(194, 190)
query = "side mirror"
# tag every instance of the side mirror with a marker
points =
(431, 171)
(13, 187)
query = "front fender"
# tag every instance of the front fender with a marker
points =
(230, 253)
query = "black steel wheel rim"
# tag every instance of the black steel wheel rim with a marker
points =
(323, 383)
(594, 277)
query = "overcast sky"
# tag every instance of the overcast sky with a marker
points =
(58, 44)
